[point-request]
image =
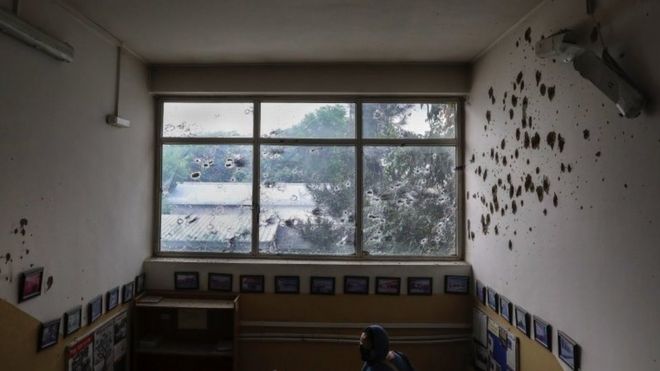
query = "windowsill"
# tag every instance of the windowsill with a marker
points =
(307, 262)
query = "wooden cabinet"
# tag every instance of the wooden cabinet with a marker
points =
(186, 331)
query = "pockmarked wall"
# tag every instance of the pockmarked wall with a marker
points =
(76, 194)
(562, 202)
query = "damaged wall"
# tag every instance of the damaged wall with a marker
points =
(76, 194)
(562, 193)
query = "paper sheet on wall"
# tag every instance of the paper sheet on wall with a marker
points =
(104, 348)
(79, 356)
(480, 327)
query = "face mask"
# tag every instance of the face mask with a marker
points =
(365, 353)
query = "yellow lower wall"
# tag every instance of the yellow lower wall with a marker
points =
(18, 341)
(352, 309)
(18, 337)
(533, 356)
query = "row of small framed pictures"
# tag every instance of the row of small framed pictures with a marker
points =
(321, 285)
(49, 331)
(569, 350)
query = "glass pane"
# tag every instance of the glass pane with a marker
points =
(206, 198)
(409, 201)
(307, 199)
(307, 120)
(409, 120)
(210, 119)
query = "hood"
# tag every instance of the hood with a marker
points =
(380, 342)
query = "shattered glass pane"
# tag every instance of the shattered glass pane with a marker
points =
(409, 201)
(206, 203)
(307, 200)
(308, 120)
(209, 120)
(409, 120)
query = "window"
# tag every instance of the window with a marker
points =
(360, 178)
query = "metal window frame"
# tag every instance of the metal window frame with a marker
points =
(256, 141)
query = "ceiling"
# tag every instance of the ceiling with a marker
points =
(298, 31)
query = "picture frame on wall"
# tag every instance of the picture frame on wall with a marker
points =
(523, 320)
(140, 281)
(420, 285)
(287, 284)
(543, 333)
(457, 285)
(72, 320)
(220, 282)
(252, 284)
(356, 285)
(111, 299)
(127, 292)
(186, 280)
(506, 309)
(480, 291)
(94, 309)
(388, 285)
(492, 299)
(49, 334)
(30, 283)
(568, 350)
(322, 285)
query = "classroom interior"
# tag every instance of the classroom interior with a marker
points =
(202, 185)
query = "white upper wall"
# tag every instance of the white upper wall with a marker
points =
(590, 266)
(85, 188)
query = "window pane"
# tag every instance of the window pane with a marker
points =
(185, 119)
(307, 120)
(409, 201)
(307, 199)
(409, 120)
(206, 198)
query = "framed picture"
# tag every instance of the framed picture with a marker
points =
(287, 284)
(186, 280)
(127, 292)
(480, 291)
(356, 285)
(457, 285)
(252, 284)
(506, 309)
(49, 333)
(30, 284)
(420, 285)
(543, 333)
(569, 351)
(388, 285)
(111, 299)
(492, 299)
(523, 321)
(72, 320)
(220, 282)
(140, 280)
(94, 309)
(322, 285)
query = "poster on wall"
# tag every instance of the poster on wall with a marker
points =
(79, 355)
(120, 349)
(104, 347)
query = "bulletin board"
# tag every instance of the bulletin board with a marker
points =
(502, 348)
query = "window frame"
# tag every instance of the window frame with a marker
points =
(358, 142)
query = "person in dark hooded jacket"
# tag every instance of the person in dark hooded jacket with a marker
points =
(376, 354)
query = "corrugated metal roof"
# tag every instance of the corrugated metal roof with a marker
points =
(234, 194)
(213, 228)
